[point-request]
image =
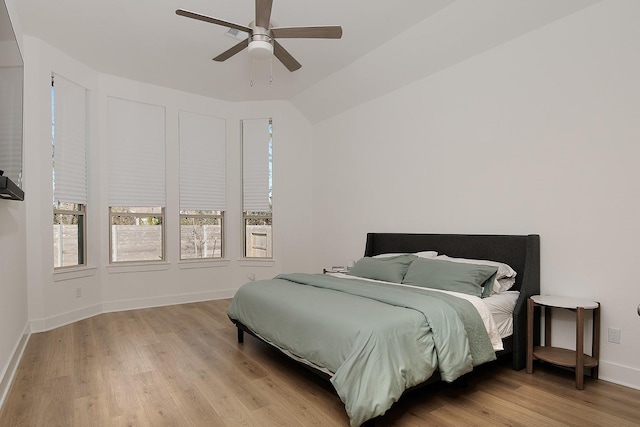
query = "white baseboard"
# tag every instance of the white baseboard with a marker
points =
(619, 374)
(10, 370)
(42, 325)
(124, 305)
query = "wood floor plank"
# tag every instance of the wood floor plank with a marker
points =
(57, 409)
(122, 399)
(136, 419)
(509, 411)
(227, 405)
(283, 395)
(569, 411)
(90, 410)
(158, 404)
(58, 361)
(182, 366)
(200, 411)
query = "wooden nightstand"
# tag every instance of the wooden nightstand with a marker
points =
(560, 356)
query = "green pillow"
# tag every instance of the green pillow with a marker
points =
(472, 279)
(389, 269)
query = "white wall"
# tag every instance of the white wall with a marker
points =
(13, 289)
(539, 135)
(53, 297)
(13, 275)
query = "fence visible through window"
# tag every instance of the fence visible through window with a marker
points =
(137, 234)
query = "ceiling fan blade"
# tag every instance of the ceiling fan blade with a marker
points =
(263, 13)
(285, 57)
(326, 32)
(212, 20)
(230, 52)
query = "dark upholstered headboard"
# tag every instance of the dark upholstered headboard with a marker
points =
(521, 252)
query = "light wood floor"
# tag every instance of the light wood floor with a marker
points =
(181, 366)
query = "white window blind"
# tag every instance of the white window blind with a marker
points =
(69, 141)
(202, 162)
(136, 137)
(255, 165)
(11, 122)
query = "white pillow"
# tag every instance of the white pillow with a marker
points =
(388, 255)
(505, 277)
(424, 254)
(427, 254)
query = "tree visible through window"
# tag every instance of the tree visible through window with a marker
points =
(201, 234)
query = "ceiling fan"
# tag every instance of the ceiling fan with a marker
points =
(261, 41)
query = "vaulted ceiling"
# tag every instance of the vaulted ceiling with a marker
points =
(385, 44)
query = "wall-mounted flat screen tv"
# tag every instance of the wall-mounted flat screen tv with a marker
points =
(11, 93)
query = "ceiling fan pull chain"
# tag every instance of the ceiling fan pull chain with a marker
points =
(271, 76)
(251, 71)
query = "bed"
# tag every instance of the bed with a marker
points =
(374, 340)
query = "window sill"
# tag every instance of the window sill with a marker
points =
(133, 267)
(203, 263)
(247, 262)
(70, 273)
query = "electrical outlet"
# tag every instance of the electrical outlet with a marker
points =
(614, 335)
(78, 292)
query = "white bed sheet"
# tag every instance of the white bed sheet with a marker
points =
(478, 303)
(501, 307)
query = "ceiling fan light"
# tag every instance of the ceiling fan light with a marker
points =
(260, 49)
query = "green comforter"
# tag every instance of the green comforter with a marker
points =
(376, 340)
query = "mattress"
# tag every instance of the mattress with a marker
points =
(501, 307)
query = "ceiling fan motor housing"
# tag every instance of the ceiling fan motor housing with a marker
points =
(261, 45)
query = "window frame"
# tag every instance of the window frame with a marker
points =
(81, 213)
(220, 217)
(161, 215)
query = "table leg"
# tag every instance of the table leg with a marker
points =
(595, 344)
(547, 326)
(530, 308)
(580, 348)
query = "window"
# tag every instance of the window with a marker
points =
(257, 188)
(202, 185)
(69, 172)
(257, 237)
(201, 234)
(136, 234)
(68, 234)
(136, 165)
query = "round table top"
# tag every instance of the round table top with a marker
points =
(564, 302)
